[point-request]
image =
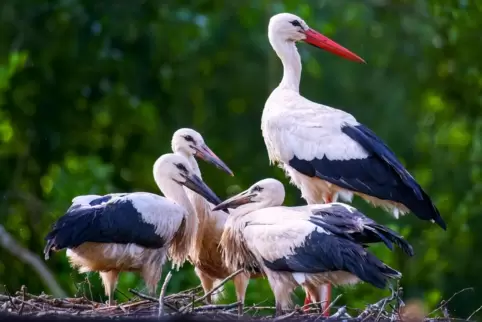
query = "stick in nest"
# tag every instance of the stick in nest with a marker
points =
(163, 292)
(443, 303)
(150, 298)
(24, 291)
(224, 281)
(10, 297)
(475, 312)
(212, 307)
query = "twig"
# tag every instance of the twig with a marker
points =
(126, 306)
(312, 305)
(341, 311)
(163, 292)
(9, 297)
(475, 312)
(211, 307)
(331, 304)
(444, 303)
(150, 298)
(143, 296)
(10, 244)
(381, 310)
(262, 307)
(24, 291)
(283, 317)
(224, 281)
(189, 290)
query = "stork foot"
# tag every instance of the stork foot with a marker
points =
(240, 309)
(280, 311)
(111, 302)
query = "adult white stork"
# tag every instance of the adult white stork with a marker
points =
(206, 254)
(326, 151)
(307, 245)
(132, 231)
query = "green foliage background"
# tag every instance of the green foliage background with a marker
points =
(91, 92)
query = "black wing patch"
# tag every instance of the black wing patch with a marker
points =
(324, 253)
(380, 174)
(115, 222)
(357, 227)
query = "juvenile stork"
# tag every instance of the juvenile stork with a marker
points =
(206, 253)
(309, 245)
(325, 151)
(132, 231)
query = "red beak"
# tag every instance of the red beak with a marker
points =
(316, 39)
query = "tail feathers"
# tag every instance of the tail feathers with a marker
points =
(48, 249)
(389, 236)
(371, 270)
(68, 231)
(426, 210)
(390, 272)
(385, 240)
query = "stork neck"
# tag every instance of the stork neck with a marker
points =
(288, 53)
(192, 162)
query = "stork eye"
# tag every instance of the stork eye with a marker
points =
(189, 138)
(181, 167)
(296, 23)
(257, 189)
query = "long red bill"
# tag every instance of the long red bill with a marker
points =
(316, 39)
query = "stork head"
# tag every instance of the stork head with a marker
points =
(190, 143)
(265, 193)
(175, 168)
(289, 27)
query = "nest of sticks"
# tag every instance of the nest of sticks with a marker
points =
(191, 305)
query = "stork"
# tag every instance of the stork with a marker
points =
(326, 152)
(206, 254)
(306, 245)
(132, 231)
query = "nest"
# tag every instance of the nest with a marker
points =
(190, 305)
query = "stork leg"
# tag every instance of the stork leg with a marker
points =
(241, 282)
(308, 299)
(325, 289)
(109, 279)
(318, 295)
(206, 282)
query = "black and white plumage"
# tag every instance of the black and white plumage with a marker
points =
(307, 245)
(132, 231)
(326, 151)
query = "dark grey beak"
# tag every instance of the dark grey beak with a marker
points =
(235, 201)
(195, 183)
(205, 153)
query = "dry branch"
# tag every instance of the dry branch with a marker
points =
(224, 281)
(163, 293)
(10, 244)
(22, 302)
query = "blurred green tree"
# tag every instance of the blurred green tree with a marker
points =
(91, 92)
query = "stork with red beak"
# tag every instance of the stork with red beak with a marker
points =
(326, 152)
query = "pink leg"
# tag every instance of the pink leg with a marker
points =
(307, 300)
(325, 299)
(326, 288)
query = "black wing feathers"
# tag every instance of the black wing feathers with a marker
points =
(357, 227)
(115, 222)
(380, 174)
(323, 253)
